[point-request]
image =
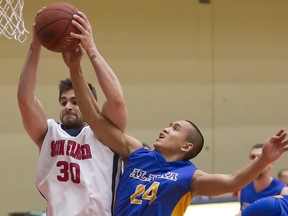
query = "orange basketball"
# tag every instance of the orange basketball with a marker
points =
(53, 26)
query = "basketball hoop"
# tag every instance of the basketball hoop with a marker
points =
(11, 20)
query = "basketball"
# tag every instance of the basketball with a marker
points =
(53, 26)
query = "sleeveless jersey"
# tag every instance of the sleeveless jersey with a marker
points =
(76, 175)
(249, 194)
(151, 186)
(268, 206)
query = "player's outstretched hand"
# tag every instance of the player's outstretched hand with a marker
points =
(81, 22)
(275, 146)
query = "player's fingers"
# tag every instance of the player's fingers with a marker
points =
(82, 20)
(285, 149)
(75, 35)
(282, 136)
(78, 19)
(280, 132)
(85, 18)
(285, 143)
(79, 26)
(40, 10)
(33, 27)
(86, 24)
(81, 14)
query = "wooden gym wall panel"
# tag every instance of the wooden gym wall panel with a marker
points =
(250, 68)
(222, 65)
(161, 52)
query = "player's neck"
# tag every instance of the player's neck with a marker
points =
(262, 182)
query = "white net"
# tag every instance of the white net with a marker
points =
(11, 20)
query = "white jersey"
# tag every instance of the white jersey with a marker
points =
(76, 175)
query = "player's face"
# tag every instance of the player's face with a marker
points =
(172, 138)
(284, 177)
(70, 114)
(256, 153)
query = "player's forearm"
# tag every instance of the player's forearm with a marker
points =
(245, 175)
(107, 79)
(114, 108)
(28, 77)
(32, 112)
(85, 99)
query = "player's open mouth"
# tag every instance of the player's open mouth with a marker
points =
(161, 136)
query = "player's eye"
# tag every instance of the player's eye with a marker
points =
(176, 128)
(63, 102)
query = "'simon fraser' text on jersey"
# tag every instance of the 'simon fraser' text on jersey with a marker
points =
(76, 175)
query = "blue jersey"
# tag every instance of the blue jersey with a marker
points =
(151, 186)
(268, 206)
(248, 194)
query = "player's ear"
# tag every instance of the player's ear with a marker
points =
(187, 146)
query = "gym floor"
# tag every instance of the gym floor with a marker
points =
(223, 209)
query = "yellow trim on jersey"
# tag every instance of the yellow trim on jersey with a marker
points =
(182, 205)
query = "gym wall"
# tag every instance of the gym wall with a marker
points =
(222, 65)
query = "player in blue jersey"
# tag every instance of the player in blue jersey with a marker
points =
(283, 175)
(163, 181)
(264, 184)
(268, 206)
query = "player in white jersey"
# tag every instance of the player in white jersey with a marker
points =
(76, 173)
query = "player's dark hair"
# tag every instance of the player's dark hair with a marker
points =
(280, 173)
(66, 85)
(197, 139)
(256, 146)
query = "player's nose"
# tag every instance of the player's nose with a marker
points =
(68, 106)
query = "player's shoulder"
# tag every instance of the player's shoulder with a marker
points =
(276, 181)
(52, 121)
(199, 173)
(267, 206)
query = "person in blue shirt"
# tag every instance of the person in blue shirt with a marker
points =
(283, 175)
(162, 181)
(264, 184)
(267, 206)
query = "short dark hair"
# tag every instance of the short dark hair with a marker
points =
(197, 139)
(256, 146)
(66, 85)
(280, 173)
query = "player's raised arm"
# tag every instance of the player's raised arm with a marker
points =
(110, 122)
(114, 107)
(32, 111)
(105, 130)
(215, 184)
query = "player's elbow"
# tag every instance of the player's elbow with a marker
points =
(119, 104)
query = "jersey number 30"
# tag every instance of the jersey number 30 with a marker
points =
(142, 194)
(69, 171)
